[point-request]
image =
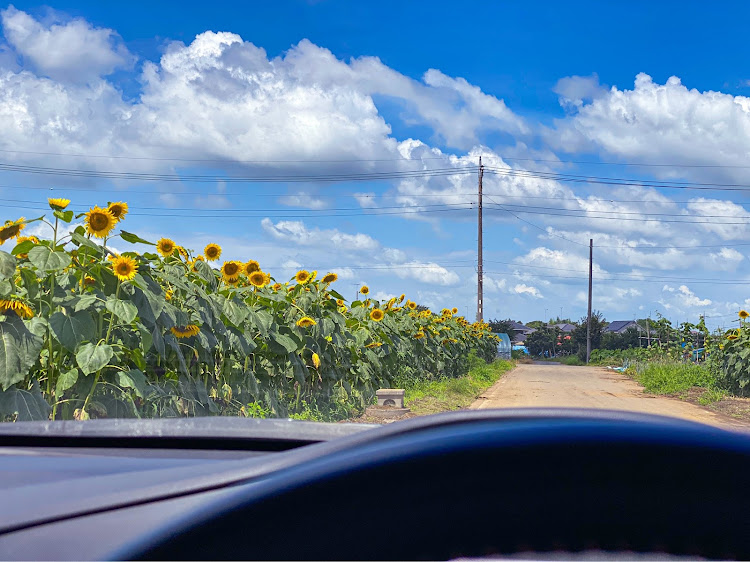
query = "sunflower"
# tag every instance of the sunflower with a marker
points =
(185, 331)
(124, 268)
(339, 302)
(330, 278)
(419, 335)
(88, 281)
(377, 314)
(401, 298)
(213, 252)
(412, 305)
(343, 309)
(374, 344)
(390, 303)
(58, 204)
(276, 287)
(454, 310)
(258, 279)
(20, 308)
(744, 314)
(183, 253)
(306, 322)
(169, 294)
(11, 229)
(165, 247)
(316, 360)
(118, 210)
(364, 289)
(231, 270)
(251, 267)
(100, 222)
(302, 276)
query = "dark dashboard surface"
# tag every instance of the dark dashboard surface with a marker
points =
(476, 483)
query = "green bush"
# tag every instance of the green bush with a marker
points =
(663, 377)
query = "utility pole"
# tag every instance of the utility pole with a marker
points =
(480, 263)
(648, 329)
(588, 319)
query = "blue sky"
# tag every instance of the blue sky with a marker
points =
(642, 93)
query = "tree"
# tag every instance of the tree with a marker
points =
(502, 327)
(543, 340)
(598, 323)
(536, 324)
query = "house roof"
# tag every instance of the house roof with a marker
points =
(619, 326)
(566, 327)
(518, 327)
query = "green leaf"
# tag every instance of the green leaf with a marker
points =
(30, 282)
(65, 216)
(134, 238)
(46, 260)
(124, 310)
(235, 312)
(23, 247)
(65, 381)
(19, 350)
(27, 405)
(72, 330)
(149, 305)
(85, 302)
(91, 358)
(206, 272)
(6, 288)
(7, 265)
(281, 344)
(134, 379)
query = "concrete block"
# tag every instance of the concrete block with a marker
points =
(393, 397)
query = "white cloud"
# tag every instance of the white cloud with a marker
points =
(68, 51)
(304, 200)
(426, 272)
(298, 233)
(523, 289)
(575, 90)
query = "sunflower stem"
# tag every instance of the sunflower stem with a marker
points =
(106, 340)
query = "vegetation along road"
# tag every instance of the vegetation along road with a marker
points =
(562, 386)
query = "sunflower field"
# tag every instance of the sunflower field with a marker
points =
(86, 332)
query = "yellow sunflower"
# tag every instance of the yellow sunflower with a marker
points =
(11, 229)
(230, 270)
(377, 314)
(22, 239)
(364, 289)
(185, 331)
(276, 287)
(412, 305)
(419, 335)
(316, 360)
(302, 276)
(454, 310)
(124, 268)
(58, 204)
(306, 322)
(88, 281)
(401, 298)
(744, 314)
(251, 267)
(165, 247)
(20, 308)
(374, 344)
(213, 252)
(100, 222)
(343, 309)
(330, 278)
(184, 253)
(118, 210)
(169, 294)
(258, 279)
(339, 302)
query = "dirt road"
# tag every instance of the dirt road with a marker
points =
(561, 386)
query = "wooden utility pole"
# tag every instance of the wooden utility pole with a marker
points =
(588, 319)
(480, 262)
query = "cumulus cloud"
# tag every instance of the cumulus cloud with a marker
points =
(67, 51)
(523, 289)
(575, 90)
(427, 272)
(296, 232)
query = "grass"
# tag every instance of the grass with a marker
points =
(431, 397)
(572, 360)
(677, 378)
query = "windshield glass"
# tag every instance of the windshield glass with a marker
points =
(342, 211)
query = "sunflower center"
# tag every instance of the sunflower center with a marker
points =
(99, 221)
(123, 268)
(231, 269)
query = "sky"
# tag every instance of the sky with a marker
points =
(342, 136)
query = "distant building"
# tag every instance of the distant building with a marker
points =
(567, 328)
(621, 326)
(520, 332)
